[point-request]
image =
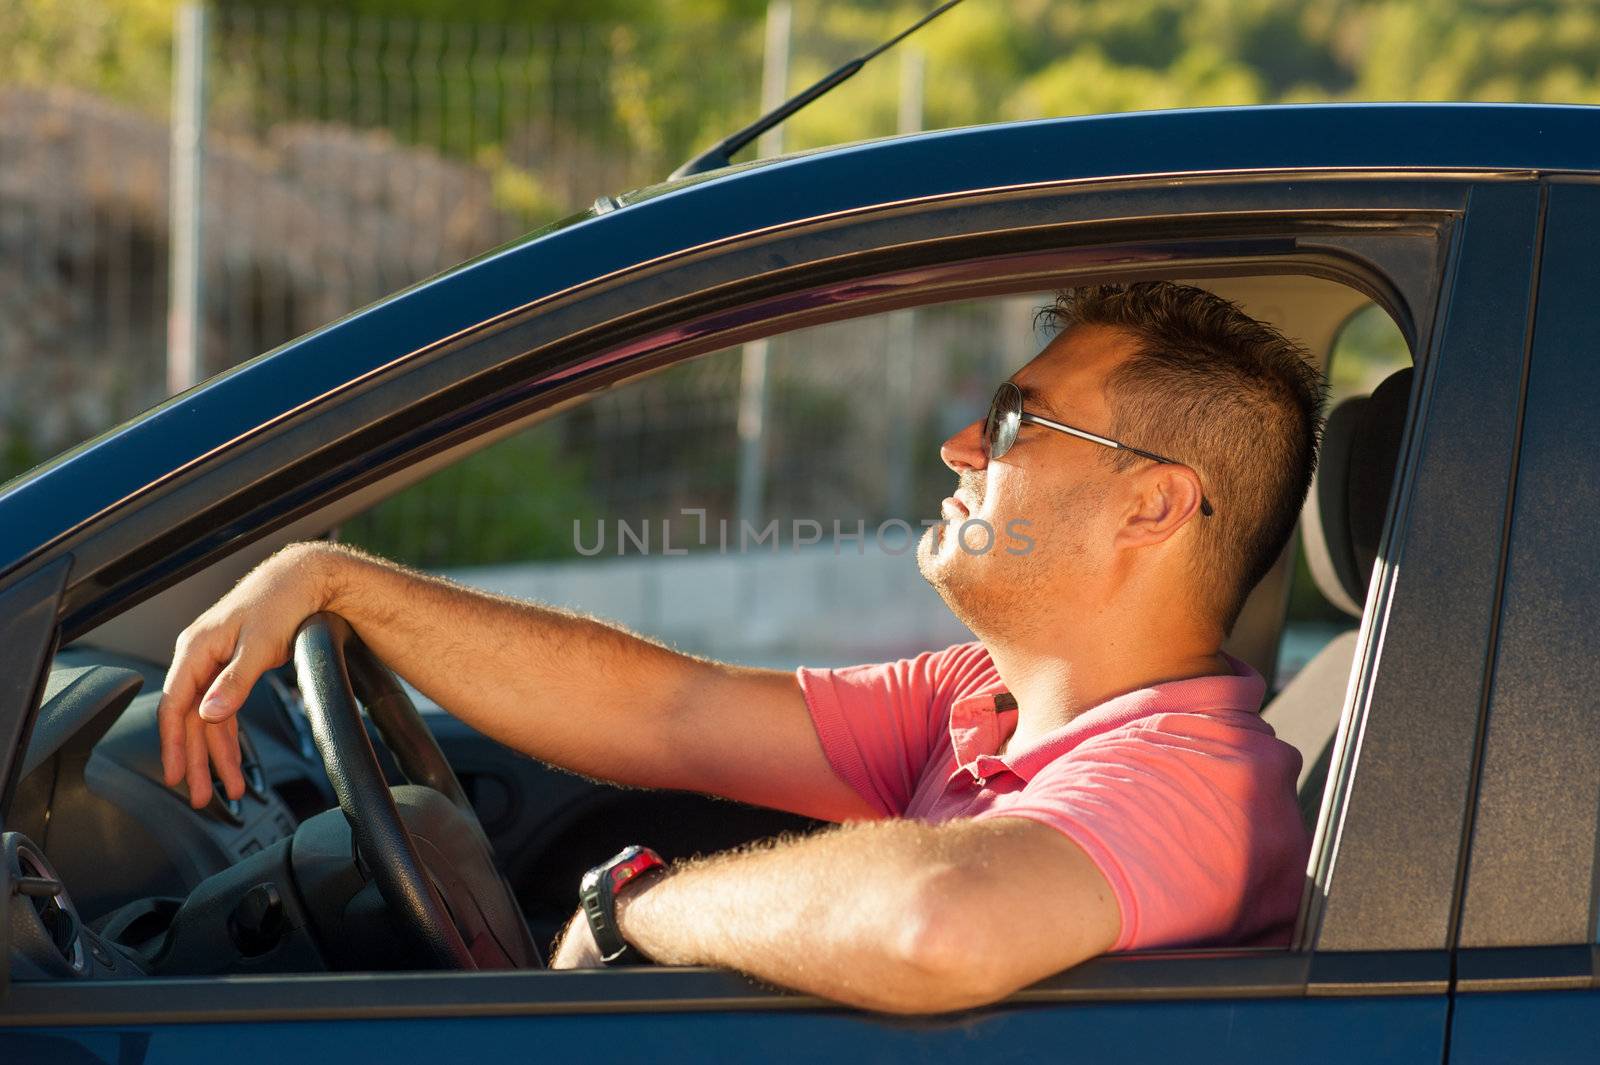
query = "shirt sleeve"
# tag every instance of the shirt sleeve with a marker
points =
(1193, 822)
(880, 724)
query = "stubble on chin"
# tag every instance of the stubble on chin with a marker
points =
(1001, 593)
(954, 574)
(939, 561)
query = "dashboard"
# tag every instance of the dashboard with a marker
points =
(124, 878)
(108, 853)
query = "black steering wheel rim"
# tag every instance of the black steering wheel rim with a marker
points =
(328, 657)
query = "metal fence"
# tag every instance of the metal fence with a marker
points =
(338, 159)
(352, 156)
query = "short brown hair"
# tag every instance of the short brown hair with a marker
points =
(1230, 396)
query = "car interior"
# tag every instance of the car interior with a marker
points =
(154, 888)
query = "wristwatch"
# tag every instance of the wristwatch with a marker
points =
(598, 892)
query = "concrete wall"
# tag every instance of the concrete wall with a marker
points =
(780, 609)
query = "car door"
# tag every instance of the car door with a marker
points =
(1369, 972)
(1527, 973)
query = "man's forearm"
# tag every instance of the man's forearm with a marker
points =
(851, 914)
(564, 688)
(570, 690)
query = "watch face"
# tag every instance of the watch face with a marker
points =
(621, 870)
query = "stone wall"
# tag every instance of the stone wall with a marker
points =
(301, 226)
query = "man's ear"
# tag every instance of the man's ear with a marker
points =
(1165, 498)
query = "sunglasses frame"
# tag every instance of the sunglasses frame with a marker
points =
(1009, 390)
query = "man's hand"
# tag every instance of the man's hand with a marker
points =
(220, 657)
(576, 949)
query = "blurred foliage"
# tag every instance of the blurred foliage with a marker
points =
(651, 12)
(17, 453)
(1369, 348)
(118, 47)
(511, 502)
(987, 59)
(653, 81)
(670, 76)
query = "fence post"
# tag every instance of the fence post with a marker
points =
(185, 202)
(901, 363)
(753, 386)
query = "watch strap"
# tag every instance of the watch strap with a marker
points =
(598, 893)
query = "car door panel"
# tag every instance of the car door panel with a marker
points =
(1311, 1032)
(1127, 1008)
(1550, 1027)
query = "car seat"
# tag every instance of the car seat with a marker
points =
(1341, 526)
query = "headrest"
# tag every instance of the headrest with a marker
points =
(1350, 493)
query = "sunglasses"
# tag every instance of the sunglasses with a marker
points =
(1006, 417)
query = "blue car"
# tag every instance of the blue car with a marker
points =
(1451, 759)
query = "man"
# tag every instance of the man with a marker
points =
(1091, 775)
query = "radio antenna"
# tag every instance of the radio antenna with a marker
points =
(721, 154)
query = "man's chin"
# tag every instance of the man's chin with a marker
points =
(929, 555)
(941, 565)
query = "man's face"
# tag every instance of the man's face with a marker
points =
(1049, 488)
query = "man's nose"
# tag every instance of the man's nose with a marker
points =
(964, 451)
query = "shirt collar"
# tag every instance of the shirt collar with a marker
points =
(980, 723)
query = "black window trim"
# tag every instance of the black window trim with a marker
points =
(1421, 685)
(1532, 872)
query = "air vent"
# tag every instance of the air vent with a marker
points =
(44, 924)
(58, 920)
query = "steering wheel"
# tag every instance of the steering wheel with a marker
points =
(458, 904)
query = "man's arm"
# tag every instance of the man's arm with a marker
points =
(567, 689)
(896, 915)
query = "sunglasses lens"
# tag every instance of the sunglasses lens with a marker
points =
(1005, 415)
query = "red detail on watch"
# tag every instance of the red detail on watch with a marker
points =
(639, 863)
(598, 893)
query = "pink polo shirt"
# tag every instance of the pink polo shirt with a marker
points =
(1180, 793)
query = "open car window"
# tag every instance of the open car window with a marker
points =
(759, 504)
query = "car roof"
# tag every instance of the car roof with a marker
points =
(666, 219)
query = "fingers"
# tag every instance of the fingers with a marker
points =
(194, 664)
(170, 717)
(217, 662)
(199, 765)
(198, 732)
(222, 743)
(232, 686)
(208, 745)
